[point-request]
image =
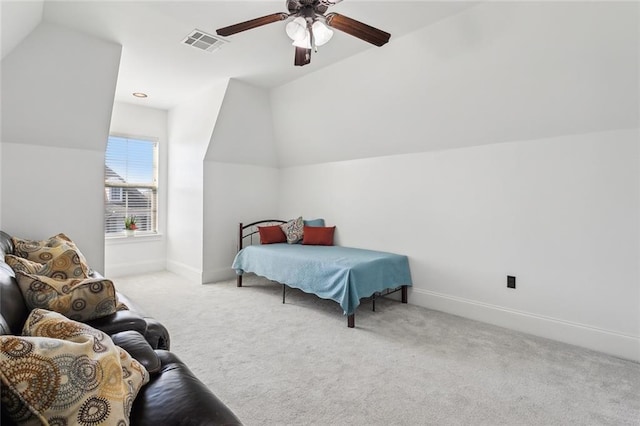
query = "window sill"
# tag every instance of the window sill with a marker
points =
(138, 238)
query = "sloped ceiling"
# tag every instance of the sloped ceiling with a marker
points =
(243, 132)
(57, 89)
(155, 61)
(497, 72)
(18, 19)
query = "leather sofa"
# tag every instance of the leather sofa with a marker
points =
(173, 396)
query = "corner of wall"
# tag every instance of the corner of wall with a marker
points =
(189, 126)
(240, 174)
(48, 119)
(18, 19)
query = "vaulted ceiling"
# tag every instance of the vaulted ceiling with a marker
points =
(155, 61)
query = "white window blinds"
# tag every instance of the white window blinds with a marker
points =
(130, 184)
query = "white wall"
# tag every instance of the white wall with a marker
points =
(57, 96)
(1, 227)
(47, 190)
(233, 193)
(17, 20)
(519, 122)
(240, 175)
(190, 128)
(126, 256)
(561, 214)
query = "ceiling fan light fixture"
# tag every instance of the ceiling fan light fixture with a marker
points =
(297, 29)
(309, 26)
(322, 33)
(304, 42)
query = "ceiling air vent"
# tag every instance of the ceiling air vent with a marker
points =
(203, 41)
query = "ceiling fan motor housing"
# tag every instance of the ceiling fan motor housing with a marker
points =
(316, 32)
(307, 8)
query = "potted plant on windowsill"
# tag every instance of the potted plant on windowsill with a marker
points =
(130, 225)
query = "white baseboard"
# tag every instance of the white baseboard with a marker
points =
(614, 343)
(124, 269)
(186, 271)
(216, 275)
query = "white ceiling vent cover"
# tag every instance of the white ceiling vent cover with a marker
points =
(203, 41)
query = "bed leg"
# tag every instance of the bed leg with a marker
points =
(351, 321)
(239, 281)
(405, 297)
(283, 292)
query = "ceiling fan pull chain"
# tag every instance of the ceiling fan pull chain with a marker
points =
(312, 37)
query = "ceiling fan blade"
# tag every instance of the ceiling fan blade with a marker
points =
(254, 23)
(303, 56)
(358, 29)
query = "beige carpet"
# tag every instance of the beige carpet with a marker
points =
(298, 363)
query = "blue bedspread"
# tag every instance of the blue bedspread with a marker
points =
(342, 274)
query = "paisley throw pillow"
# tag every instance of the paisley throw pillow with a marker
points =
(78, 299)
(45, 250)
(65, 372)
(293, 229)
(21, 264)
(67, 264)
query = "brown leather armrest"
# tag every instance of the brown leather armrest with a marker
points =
(156, 334)
(120, 321)
(136, 345)
(175, 396)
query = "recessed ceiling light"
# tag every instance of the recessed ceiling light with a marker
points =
(139, 94)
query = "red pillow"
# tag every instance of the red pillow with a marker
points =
(271, 234)
(318, 235)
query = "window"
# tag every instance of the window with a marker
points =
(131, 184)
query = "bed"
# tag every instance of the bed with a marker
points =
(342, 274)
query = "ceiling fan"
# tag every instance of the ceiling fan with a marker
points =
(310, 27)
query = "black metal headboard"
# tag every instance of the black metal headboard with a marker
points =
(251, 229)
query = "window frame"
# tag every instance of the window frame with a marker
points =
(153, 186)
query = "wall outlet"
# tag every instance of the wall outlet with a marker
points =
(511, 281)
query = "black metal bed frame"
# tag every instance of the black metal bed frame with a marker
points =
(253, 230)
